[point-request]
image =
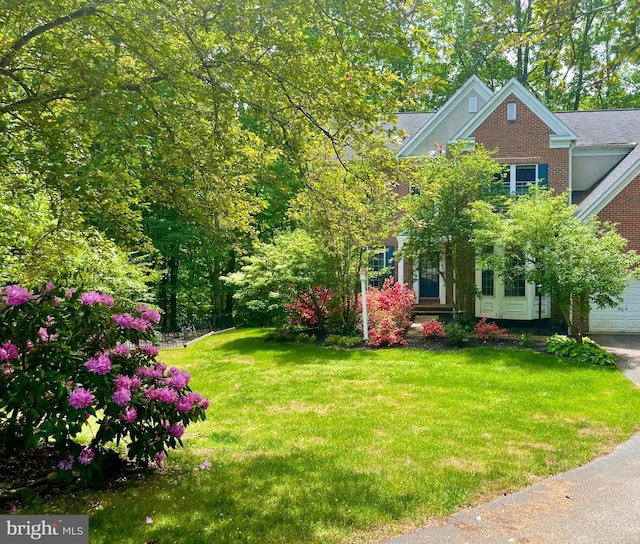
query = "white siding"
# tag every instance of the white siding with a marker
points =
(624, 319)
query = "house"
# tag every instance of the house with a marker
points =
(594, 155)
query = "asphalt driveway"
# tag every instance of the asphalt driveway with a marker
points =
(597, 503)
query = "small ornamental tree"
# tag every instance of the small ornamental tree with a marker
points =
(311, 307)
(66, 357)
(390, 312)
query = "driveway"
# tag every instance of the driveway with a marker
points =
(596, 503)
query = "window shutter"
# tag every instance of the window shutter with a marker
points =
(388, 260)
(543, 175)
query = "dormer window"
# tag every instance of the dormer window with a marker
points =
(473, 104)
(511, 111)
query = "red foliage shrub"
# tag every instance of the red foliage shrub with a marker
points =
(310, 308)
(433, 329)
(488, 330)
(390, 311)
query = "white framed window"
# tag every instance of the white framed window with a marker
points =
(518, 178)
(380, 266)
(512, 112)
(473, 104)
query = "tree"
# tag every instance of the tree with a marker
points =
(348, 208)
(273, 275)
(578, 263)
(438, 217)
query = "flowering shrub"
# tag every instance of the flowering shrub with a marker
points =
(66, 357)
(310, 308)
(390, 311)
(488, 331)
(433, 329)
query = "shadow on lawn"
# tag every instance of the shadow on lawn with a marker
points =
(294, 498)
(281, 352)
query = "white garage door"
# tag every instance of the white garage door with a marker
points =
(624, 319)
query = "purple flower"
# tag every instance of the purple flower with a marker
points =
(129, 415)
(127, 321)
(16, 295)
(149, 350)
(166, 395)
(80, 398)
(160, 457)
(149, 520)
(91, 298)
(122, 382)
(178, 378)
(148, 314)
(121, 396)
(9, 352)
(99, 364)
(86, 456)
(66, 463)
(205, 466)
(176, 430)
(70, 293)
(46, 336)
(121, 350)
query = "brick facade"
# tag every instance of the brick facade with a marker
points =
(624, 210)
(524, 141)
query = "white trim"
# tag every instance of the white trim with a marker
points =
(516, 88)
(401, 240)
(473, 83)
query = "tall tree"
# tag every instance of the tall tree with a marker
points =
(438, 217)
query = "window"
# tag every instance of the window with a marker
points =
(517, 289)
(487, 283)
(518, 177)
(381, 263)
(511, 111)
(473, 104)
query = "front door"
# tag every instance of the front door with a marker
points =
(429, 280)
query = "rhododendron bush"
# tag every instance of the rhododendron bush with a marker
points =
(66, 356)
(390, 312)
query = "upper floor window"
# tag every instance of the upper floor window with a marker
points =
(518, 177)
(512, 113)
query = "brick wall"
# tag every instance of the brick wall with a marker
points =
(524, 141)
(624, 210)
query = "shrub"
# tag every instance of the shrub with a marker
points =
(588, 352)
(488, 331)
(67, 356)
(310, 308)
(390, 311)
(349, 341)
(526, 340)
(455, 333)
(433, 329)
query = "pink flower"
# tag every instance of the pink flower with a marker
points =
(120, 350)
(121, 396)
(99, 364)
(70, 293)
(130, 415)
(166, 395)
(178, 378)
(176, 430)
(66, 463)
(160, 457)
(148, 314)
(81, 398)
(205, 466)
(127, 321)
(149, 520)
(86, 456)
(16, 295)
(91, 298)
(9, 352)
(45, 336)
(149, 350)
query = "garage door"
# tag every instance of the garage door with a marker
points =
(624, 319)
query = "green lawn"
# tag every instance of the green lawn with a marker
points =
(312, 445)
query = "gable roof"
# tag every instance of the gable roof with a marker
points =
(473, 84)
(562, 134)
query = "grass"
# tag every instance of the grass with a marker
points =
(315, 445)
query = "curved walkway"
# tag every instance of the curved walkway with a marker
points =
(597, 503)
